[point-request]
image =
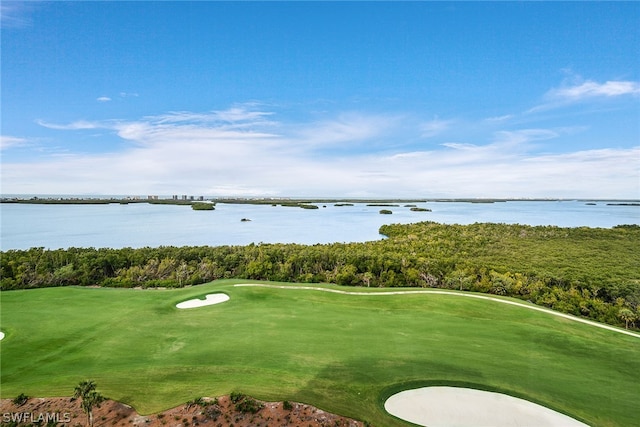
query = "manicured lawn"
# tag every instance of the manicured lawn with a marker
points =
(342, 353)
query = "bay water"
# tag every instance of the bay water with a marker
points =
(141, 224)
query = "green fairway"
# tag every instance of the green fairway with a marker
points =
(342, 353)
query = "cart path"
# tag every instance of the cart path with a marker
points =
(450, 293)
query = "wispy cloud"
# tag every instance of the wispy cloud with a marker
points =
(179, 125)
(498, 119)
(121, 95)
(11, 142)
(495, 171)
(591, 89)
(346, 128)
(505, 144)
(241, 114)
(580, 91)
(77, 125)
(15, 14)
(434, 127)
(204, 154)
(233, 118)
(524, 136)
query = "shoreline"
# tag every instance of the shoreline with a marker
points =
(188, 200)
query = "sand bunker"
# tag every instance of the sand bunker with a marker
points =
(1, 336)
(454, 406)
(210, 299)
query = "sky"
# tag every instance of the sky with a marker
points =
(321, 99)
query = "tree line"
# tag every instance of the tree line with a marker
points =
(589, 272)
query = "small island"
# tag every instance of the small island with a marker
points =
(202, 206)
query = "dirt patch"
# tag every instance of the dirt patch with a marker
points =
(219, 412)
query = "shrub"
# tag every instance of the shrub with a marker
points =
(236, 397)
(197, 401)
(249, 405)
(244, 403)
(21, 399)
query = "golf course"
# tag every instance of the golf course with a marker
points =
(343, 349)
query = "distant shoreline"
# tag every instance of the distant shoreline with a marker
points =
(189, 200)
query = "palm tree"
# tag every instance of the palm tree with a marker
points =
(627, 315)
(86, 391)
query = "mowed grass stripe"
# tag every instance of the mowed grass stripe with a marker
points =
(335, 351)
(453, 293)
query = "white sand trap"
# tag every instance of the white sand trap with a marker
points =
(1, 336)
(457, 407)
(210, 299)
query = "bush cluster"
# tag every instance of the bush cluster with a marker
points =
(244, 403)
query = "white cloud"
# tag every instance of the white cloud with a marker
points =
(524, 136)
(103, 99)
(502, 118)
(238, 114)
(10, 142)
(346, 128)
(579, 91)
(434, 127)
(16, 14)
(203, 154)
(136, 131)
(590, 89)
(177, 126)
(491, 171)
(77, 125)
(232, 119)
(228, 169)
(460, 146)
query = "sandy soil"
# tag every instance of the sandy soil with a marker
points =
(220, 414)
(210, 299)
(455, 406)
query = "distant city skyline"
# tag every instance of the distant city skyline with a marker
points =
(322, 99)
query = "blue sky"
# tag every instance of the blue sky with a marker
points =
(331, 99)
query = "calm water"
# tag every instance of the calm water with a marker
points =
(138, 225)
